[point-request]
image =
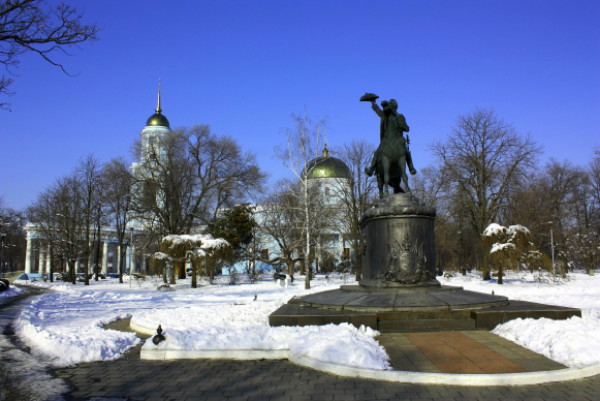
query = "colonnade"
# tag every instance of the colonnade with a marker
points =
(38, 254)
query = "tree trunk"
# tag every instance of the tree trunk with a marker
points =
(71, 265)
(181, 273)
(194, 274)
(97, 262)
(51, 265)
(358, 265)
(172, 274)
(86, 270)
(211, 270)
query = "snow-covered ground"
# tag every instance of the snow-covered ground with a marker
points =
(65, 326)
(11, 292)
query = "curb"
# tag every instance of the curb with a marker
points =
(496, 379)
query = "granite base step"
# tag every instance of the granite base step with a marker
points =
(416, 319)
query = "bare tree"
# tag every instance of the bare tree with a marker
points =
(117, 192)
(356, 197)
(226, 176)
(188, 177)
(303, 145)
(34, 26)
(452, 228)
(89, 177)
(484, 159)
(13, 243)
(280, 217)
(559, 196)
(594, 174)
(44, 214)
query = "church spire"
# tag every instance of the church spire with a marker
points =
(158, 109)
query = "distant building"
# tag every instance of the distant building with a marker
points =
(152, 137)
(330, 179)
(330, 176)
(37, 256)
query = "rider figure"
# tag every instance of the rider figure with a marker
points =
(390, 120)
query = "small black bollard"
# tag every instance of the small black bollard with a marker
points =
(158, 338)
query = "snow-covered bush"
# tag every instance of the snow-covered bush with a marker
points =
(510, 247)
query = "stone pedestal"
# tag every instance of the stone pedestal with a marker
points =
(399, 244)
(399, 291)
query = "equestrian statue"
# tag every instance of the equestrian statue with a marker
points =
(392, 156)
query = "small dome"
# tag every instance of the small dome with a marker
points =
(327, 167)
(157, 119)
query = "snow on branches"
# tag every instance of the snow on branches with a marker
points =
(181, 249)
(508, 246)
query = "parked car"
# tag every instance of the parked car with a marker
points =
(29, 277)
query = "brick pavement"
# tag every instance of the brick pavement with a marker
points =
(468, 351)
(217, 380)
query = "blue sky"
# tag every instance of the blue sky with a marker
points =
(244, 67)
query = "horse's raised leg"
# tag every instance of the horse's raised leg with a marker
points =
(403, 175)
(385, 170)
(380, 185)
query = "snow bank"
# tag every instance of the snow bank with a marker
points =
(246, 327)
(65, 327)
(341, 344)
(11, 292)
(569, 342)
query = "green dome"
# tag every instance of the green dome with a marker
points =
(157, 119)
(327, 167)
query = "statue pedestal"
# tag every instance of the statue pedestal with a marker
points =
(399, 244)
(399, 291)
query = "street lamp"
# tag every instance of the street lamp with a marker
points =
(2, 237)
(552, 248)
(130, 255)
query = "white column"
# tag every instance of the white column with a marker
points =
(28, 254)
(41, 260)
(132, 259)
(118, 258)
(104, 257)
(48, 256)
(77, 266)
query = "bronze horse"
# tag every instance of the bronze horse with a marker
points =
(390, 169)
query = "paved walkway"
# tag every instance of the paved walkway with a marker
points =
(133, 379)
(22, 377)
(470, 351)
(215, 380)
